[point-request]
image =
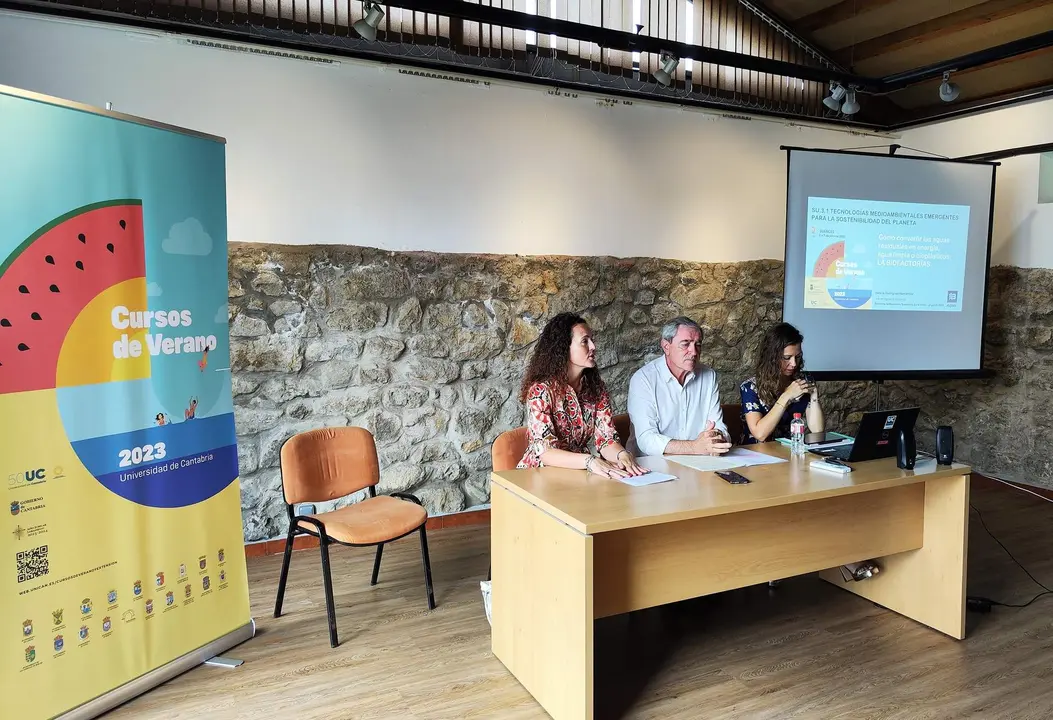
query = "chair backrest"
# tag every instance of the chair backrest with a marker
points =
(508, 449)
(623, 427)
(733, 419)
(328, 463)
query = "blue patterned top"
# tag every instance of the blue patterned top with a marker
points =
(751, 402)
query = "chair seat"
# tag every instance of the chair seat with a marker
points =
(371, 521)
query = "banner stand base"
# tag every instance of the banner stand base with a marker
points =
(143, 683)
(224, 662)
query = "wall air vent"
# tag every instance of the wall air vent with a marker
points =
(444, 76)
(256, 50)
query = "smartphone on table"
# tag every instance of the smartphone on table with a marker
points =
(733, 477)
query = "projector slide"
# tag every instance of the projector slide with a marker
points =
(874, 255)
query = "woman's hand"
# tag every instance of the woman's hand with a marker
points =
(796, 389)
(599, 466)
(628, 463)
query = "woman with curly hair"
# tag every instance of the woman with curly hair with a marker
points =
(568, 405)
(779, 389)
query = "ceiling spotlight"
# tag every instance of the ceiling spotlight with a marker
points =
(664, 75)
(833, 101)
(367, 26)
(850, 106)
(949, 91)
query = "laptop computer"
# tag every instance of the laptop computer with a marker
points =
(876, 436)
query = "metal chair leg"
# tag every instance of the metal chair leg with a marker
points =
(376, 565)
(285, 572)
(427, 566)
(327, 579)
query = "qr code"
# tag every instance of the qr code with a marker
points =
(32, 563)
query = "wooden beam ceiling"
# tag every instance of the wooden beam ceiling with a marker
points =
(877, 38)
(844, 10)
(1044, 52)
(936, 28)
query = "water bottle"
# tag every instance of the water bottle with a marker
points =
(797, 435)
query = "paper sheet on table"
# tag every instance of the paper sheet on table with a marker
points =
(734, 458)
(649, 479)
(751, 457)
(707, 463)
(925, 464)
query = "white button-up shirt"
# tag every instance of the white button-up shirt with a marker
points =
(661, 409)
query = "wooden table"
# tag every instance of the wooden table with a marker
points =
(568, 548)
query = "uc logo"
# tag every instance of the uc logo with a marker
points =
(32, 475)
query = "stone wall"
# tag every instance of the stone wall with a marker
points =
(427, 352)
(1002, 424)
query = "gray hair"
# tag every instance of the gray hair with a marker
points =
(670, 328)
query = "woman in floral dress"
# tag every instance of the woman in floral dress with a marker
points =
(568, 406)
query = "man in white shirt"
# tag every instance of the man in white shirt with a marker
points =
(674, 402)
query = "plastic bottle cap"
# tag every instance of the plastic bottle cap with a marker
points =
(797, 416)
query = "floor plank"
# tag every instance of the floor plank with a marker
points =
(805, 650)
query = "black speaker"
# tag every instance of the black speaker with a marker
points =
(906, 450)
(944, 445)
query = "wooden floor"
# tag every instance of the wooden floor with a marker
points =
(806, 650)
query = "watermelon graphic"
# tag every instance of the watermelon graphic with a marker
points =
(849, 292)
(73, 304)
(825, 266)
(49, 279)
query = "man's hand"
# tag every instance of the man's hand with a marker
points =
(711, 441)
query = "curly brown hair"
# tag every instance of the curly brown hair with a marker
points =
(551, 356)
(768, 372)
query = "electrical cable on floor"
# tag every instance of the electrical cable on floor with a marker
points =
(982, 604)
(1022, 605)
(1017, 487)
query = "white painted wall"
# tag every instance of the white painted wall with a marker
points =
(359, 154)
(1023, 229)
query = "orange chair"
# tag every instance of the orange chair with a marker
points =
(622, 427)
(508, 449)
(330, 463)
(733, 419)
(506, 452)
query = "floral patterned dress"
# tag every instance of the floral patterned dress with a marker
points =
(563, 422)
(751, 402)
